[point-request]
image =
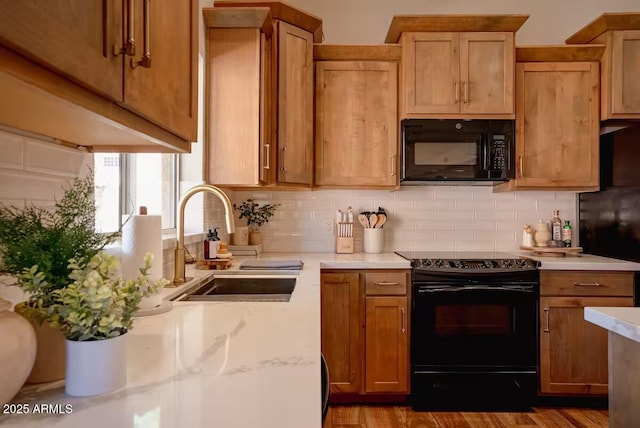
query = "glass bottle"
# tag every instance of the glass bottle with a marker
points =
(556, 226)
(566, 233)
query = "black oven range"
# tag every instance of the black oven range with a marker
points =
(474, 320)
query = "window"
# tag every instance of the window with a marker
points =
(125, 182)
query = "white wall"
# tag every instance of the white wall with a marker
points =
(550, 21)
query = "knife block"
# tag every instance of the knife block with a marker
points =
(344, 244)
(344, 237)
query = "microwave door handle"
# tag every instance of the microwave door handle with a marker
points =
(485, 153)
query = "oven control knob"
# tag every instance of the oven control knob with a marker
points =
(508, 263)
(426, 263)
(439, 263)
(522, 263)
(458, 264)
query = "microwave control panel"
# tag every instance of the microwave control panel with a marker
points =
(498, 152)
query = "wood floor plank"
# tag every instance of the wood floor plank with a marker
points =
(389, 416)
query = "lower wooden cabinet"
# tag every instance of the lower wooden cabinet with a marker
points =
(340, 327)
(574, 352)
(365, 331)
(386, 344)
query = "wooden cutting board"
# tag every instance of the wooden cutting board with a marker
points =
(553, 251)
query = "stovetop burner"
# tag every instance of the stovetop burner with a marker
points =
(467, 261)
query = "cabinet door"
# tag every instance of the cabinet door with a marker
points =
(387, 345)
(573, 352)
(625, 68)
(356, 123)
(295, 104)
(487, 73)
(165, 92)
(431, 73)
(557, 125)
(74, 38)
(340, 330)
(233, 95)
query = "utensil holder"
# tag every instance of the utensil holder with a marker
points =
(373, 240)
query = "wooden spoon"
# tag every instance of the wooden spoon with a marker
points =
(381, 220)
(373, 218)
(363, 220)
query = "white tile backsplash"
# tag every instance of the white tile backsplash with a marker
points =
(463, 218)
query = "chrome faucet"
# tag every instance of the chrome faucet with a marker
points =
(179, 270)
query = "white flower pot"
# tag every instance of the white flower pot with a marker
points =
(96, 367)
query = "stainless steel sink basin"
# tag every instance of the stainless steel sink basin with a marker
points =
(242, 289)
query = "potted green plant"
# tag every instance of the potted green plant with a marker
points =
(34, 236)
(94, 311)
(256, 215)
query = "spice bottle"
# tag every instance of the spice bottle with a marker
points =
(207, 247)
(556, 226)
(566, 233)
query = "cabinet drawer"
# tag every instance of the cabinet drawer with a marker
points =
(586, 283)
(386, 283)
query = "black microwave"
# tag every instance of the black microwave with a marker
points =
(436, 150)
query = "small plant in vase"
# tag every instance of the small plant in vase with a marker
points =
(256, 215)
(35, 236)
(94, 312)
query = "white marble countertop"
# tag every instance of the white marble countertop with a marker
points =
(624, 321)
(581, 262)
(239, 364)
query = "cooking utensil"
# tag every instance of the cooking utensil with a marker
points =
(364, 221)
(373, 218)
(381, 220)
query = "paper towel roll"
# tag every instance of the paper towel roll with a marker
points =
(140, 235)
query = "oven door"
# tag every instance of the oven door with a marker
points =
(480, 326)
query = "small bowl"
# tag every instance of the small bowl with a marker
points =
(224, 256)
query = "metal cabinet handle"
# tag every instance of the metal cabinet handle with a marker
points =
(267, 162)
(386, 283)
(456, 90)
(403, 328)
(546, 328)
(587, 284)
(465, 88)
(393, 164)
(145, 61)
(284, 168)
(521, 161)
(129, 47)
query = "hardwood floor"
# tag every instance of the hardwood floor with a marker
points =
(381, 416)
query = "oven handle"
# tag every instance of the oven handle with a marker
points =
(516, 288)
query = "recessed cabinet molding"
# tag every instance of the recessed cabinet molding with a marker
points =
(456, 66)
(113, 78)
(620, 64)
(557, 126)
(356, 141)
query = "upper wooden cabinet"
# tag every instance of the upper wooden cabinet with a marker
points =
(457, 66)
(557, 126)
(457, 74)
(356, 117)
(620, 64)
(116, 76)
(267, 138)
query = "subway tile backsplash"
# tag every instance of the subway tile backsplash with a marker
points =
(451, 218)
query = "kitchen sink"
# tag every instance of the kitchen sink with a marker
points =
(241, 289)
